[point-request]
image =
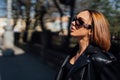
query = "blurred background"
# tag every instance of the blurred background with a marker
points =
(35, 34)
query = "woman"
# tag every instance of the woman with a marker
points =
(90, 59)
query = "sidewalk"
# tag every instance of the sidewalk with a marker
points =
(24, 66)
(17, 51)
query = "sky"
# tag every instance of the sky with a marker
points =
(2, 8)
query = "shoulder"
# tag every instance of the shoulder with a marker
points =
(96, 54)
(101, 60)
(106, 63)
(103, 57)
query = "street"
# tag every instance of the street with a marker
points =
(24, 67)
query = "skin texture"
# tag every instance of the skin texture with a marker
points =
(82, 34)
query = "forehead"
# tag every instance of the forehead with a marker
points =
(84, 15)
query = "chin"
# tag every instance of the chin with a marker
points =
(76, 36)
(73, 35)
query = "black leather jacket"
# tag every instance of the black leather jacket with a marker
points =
(94, 64)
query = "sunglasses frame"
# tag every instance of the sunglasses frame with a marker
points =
(80, 23)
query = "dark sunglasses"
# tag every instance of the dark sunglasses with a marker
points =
(80, 23)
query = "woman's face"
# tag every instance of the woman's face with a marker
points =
(80, 27)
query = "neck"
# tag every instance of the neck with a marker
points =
(83, 44)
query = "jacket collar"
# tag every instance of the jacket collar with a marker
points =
(83, 59)
(81, 62)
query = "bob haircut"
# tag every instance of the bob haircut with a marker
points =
(100, 30)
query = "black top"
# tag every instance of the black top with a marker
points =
(67, 68)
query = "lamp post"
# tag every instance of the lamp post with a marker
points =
(8, 36)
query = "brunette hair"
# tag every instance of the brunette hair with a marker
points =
(100, 29)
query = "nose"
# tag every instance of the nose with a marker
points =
(73, 23)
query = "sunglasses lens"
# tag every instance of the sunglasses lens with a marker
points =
(79, 22)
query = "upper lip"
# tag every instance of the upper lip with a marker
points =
(72, 29)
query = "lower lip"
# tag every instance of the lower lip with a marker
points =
(71, 30)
